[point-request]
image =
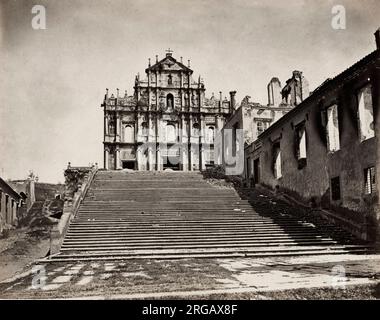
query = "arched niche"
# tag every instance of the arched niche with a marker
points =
(129, 133)
(171, 135)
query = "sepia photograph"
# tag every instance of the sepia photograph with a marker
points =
(196, 151)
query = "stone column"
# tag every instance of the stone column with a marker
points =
(149, 140)
(14, 211)
(181, 143)
(138, 158)
(202, 165)
(150, 164)
(190, 143)
(9, 211)
(202, 159)
(137, 127)
(2, 212)
(106, 124)
(159, 165)
(156, 129)
(117, 127)
(118, 166)
(106, 158)
(148, 89)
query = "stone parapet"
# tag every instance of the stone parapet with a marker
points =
(77, 182)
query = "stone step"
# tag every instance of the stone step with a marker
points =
(188, 246)
(144, 240)
(236, 249)
(149, 219)
(217, 200)
(183, 216)
(201, 234)
(186, 187)
(134, 207)
(121, 202)
(154, 228)
(162, 232)
(186, 223)
(120, 257)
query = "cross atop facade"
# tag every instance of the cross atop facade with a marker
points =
(169, 52)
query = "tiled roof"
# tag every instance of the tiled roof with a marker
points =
(8, 189)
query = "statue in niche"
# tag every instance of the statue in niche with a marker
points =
(193, 100)
(169, 102)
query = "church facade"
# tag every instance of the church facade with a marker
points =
(167, 123)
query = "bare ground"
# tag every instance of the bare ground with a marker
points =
(20, 248)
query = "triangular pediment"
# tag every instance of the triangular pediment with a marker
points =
(169, 64)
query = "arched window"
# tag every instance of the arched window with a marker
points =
(170, 79)
(210, 134)
(144, 129)
(169, 102)
(129, 134)
(196, 129)
(170, 133)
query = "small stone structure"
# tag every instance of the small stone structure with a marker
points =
(10, 204)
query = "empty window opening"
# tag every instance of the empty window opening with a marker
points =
(365, 113)
(277, 161)
(301, 136)
(260, 128)
(370, 180)
(248, 168)
(235, 145)
(333, 140)
(256, 170)
(335, 188)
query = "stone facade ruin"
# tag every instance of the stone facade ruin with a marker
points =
(168, 123)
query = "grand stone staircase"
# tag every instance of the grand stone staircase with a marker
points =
(169, 215)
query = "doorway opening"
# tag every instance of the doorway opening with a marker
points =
(129, 164)
(256, 171)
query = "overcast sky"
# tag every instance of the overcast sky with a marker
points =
(53, 81)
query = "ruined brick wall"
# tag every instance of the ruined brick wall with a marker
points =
(311, 180)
